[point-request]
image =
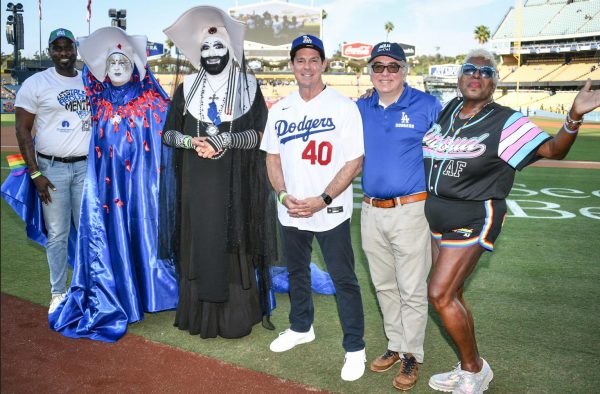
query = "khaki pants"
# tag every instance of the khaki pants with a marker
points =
(397, 243)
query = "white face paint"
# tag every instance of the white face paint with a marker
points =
(213, 47)
(119, 69)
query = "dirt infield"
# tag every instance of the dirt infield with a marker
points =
(8, 139)
(557, 125)
(37, 360)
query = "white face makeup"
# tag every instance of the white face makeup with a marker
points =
(119, 69)
(213, 47)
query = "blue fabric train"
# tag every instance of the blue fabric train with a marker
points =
(18, 190)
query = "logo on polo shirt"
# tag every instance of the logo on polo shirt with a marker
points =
(405, 122)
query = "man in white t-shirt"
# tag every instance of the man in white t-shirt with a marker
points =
(314, 146)
(54, 104)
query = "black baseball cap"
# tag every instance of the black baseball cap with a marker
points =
(307, 41)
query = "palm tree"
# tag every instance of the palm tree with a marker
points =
(389, 26)
(170, 44)
(482, 34)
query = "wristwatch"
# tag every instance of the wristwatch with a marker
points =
(327, 198)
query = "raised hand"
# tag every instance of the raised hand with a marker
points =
(586, 101)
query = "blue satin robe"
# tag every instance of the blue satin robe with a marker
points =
(117, 275)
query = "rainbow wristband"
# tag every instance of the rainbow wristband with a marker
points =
(35, 174)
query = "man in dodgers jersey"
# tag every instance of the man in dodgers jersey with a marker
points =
(395, 233)
(314, 146)
(53, 102)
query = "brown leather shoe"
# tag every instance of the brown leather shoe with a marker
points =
(385, 361)
(407, 376)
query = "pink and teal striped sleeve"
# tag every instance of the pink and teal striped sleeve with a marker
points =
(519, 141)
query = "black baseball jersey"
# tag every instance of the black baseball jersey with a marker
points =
(476, 159)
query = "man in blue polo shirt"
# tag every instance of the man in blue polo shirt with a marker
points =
(395, 233)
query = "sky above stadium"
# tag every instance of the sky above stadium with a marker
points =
(430, 25)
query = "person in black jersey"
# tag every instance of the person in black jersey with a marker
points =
(471, 155)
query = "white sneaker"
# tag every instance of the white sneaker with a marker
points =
(446, 381)
(354, 365)
(289, 339)
(475, 383)
(55, 301)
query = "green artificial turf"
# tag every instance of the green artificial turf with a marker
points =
(7, 119)
(587, 144)
(535, 301)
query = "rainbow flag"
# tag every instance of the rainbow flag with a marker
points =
(15, 162)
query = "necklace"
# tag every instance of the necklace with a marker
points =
(213, 114)
(214, 96)
(471, 116)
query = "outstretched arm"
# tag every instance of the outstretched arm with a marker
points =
(586, 101)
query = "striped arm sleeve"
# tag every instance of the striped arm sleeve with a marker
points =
(248, 139)
(519, 140)
(177, 140)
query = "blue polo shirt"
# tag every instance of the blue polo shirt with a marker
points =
(393, 164)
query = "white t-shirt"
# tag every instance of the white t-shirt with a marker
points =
(62, 113)
(314, 140)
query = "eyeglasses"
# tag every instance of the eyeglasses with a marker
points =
(392, 67)
(484, 71)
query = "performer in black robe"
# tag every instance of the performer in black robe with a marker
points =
(222, 227)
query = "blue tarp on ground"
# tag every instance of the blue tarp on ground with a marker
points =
(321, 281)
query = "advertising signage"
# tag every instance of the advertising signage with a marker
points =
(356, 50)
(360, 50)
(444, 70)
(154, 49)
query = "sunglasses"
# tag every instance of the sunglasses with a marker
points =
(392, 67)
(484, 71)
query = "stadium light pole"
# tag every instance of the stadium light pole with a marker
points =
(14, 30)
(118, 18)
(517, 42)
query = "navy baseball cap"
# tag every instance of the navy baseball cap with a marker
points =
(307, 41)
(390, 49)
(59, 33)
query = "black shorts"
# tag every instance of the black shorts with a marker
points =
(459, 223)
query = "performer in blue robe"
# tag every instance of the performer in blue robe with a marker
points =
(117, 275)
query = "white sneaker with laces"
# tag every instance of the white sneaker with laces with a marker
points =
(354, 365)
(55, 301)
(289, 339)
(446, 381)
(475, 383)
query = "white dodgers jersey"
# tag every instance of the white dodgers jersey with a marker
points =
(315, 139)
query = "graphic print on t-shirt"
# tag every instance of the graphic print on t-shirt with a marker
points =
(74, 100)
